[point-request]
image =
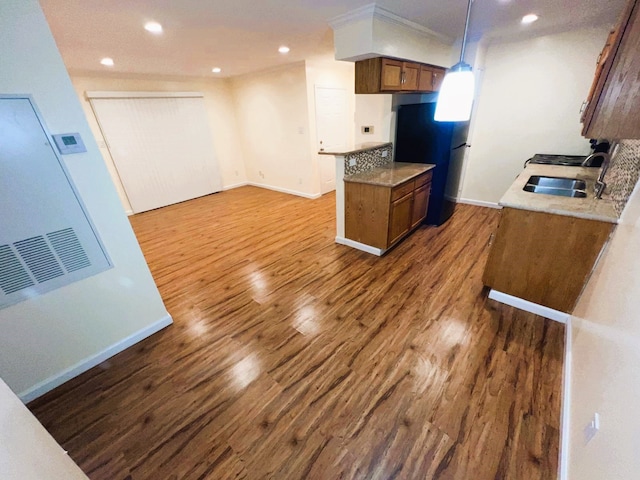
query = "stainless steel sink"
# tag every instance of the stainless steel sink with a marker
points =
(557, 182)
(564, 187)
(563, 192)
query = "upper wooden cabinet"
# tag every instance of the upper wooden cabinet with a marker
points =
(613, 109)
(386, 75)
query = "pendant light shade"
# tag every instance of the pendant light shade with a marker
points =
(458, 87)
(456, 95)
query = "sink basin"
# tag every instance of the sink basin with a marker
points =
(561, 186)
(557, 182)
(563, 192)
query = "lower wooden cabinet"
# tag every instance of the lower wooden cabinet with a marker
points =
(381, 216)
(544, 258)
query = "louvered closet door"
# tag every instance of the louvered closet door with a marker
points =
(162, 148)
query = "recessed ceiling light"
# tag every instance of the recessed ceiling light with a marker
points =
(284, 49)
(532, 17)
(153, 27)
(216, 70)
(107, 62)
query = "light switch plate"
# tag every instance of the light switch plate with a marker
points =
(367, 129)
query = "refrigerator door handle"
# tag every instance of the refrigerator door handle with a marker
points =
(461, 145)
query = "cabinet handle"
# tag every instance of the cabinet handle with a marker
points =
(583, 107)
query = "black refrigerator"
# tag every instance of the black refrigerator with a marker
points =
(420, 139)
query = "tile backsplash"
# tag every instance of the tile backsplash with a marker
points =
(368, 159)
(623, 173)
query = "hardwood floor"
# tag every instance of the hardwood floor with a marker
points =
(292, 357)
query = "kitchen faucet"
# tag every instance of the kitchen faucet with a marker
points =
(606, 159)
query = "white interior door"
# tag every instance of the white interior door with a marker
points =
(162, 148)
(332, 128)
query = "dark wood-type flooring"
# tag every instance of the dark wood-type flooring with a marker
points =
(292, 357)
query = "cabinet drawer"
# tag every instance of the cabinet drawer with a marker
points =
(401, 190)
(423, 179)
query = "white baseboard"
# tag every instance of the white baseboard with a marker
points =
(234, 185)
(285, 190)
(563, 462)
(128, 212)
(528, 306)
(58, 379)
(478, 203)
(360, 246)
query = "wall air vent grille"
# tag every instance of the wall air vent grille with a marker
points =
(68, 248)
(39, 258)
(13, 276)
(47, 240)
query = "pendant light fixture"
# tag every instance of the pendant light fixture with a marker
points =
(456, 93)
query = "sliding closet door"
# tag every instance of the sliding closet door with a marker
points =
(161, 146)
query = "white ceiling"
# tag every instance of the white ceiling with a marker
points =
(241, 36)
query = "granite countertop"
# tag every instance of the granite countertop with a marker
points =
(363, 147)
(391, 174)
(589, 208)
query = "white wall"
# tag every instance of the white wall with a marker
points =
(375, 111)
(605, 359)
(372, 35)
(529, 102)
(273, 118)
(43, 337)
(28, 451)
(220, 111)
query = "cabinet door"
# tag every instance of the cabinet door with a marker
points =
(400, 218)
(420, 203)
(425, 83)
(438, 77)
(391, 77)
(410, 75)
(613, 110)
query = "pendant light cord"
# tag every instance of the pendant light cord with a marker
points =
(466, 28)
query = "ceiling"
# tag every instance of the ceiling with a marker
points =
(241, 36)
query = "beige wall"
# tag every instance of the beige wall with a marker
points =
(605, 355)
(529, 102)
(28, 451)
(273, 116)
(220, 111)
(42, 338)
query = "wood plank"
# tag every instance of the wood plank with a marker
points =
(613, 113)
(366, 212)
(294, 357)
(544, 258)
(368, 74)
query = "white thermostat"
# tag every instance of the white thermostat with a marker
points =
(69, 143)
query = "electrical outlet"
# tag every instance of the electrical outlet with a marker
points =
(592, 428)
(352, 162)
(385, 153)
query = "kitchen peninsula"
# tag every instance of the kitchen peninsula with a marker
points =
(378, 202)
